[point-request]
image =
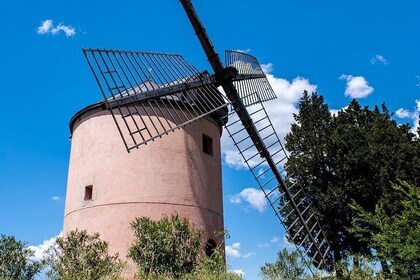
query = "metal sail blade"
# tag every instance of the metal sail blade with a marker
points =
(309, 235)
(251, 78)
(286, 198)
(151, 94)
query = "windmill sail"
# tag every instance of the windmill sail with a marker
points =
(251, 78)
(288, 201)
(151, 94)
(286, 198)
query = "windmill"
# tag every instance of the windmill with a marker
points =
(150, 95)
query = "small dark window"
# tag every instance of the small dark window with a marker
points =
(88, 192)
(207, 145)
(210, 246)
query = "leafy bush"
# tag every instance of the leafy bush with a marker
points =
(15, 260)
(288, 266)
(362, 268)
(169, 247)
(82, 256)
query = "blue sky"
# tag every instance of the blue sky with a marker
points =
(342, 49)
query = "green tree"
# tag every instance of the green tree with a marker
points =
(168, 247)
(288, 266)
(396, 239)
(15, 260)
(354, 156)
(81, 256)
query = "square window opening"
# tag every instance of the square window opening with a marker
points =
(88, 192)
(207, 144)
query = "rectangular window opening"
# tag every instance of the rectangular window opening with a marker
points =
(207, 145)
(88, 192)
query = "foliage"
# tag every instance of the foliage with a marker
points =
(81, 256)
(364, 269)
(169, 247)
(291, 266)
(15, 260)
(288, 266)
(354, 156)
(212, 268)
(396, 238)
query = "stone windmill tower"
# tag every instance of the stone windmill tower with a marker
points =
(150, 95)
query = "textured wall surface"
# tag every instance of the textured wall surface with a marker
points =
(167, 176)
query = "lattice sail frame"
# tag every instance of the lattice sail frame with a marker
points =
(277, 198)
(288, 199)
(251, 78)
(151, 94)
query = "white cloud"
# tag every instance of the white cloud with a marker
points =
(378, 58)
(356, 87)
(248, 255)
(40, 250)
(55, 198)
(282, 242)
(67, 29)
(280, 110)
(263, 245)
(418, 78)
(403, 113)
(275, 239)
(47, 27)
(414, 115)
(232, 251)
(267, 68)
(240, 272)
(254, 197)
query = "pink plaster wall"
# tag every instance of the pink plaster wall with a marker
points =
(167, 176)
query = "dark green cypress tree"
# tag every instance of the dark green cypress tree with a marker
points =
(355, 156)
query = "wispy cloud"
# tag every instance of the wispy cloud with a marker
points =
(418, 81)
(282, 242)
(263, 245)
(254, 197)
(414, 115)
(275, 239)
(67, 29)
(47, 27)
(248, 255)
(356, 87)
(378, 59)
(55, 198)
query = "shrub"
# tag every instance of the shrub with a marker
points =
(169, 247)
(82, 256)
